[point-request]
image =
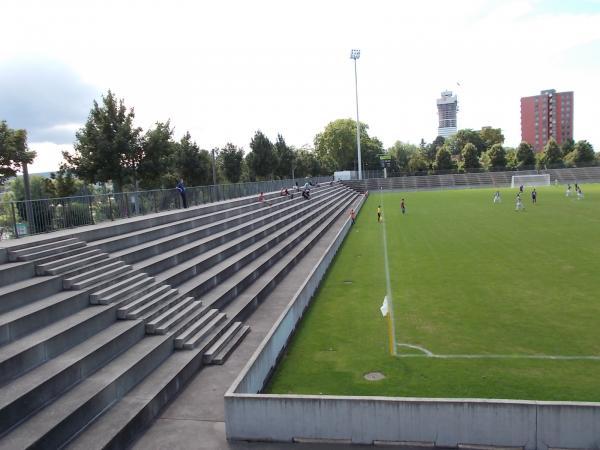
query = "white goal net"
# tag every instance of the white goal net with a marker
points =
(530, 180)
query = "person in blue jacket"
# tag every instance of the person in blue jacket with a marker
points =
(181, 188)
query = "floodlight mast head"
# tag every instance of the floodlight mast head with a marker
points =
(354, 54)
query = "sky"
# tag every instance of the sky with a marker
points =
(222, 70)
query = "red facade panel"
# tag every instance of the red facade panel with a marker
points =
(547, 115)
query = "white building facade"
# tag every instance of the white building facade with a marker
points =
(447, 107)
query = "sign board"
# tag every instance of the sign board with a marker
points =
(385, 160)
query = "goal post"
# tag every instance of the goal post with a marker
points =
(530, 180)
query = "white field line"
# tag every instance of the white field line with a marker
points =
(417, 347)
(388, 284)
(428, 354)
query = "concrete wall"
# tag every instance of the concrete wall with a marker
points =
(439, 422)
(250, 415)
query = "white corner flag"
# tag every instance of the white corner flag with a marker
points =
(384, 307)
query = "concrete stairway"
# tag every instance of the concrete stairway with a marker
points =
(90, 346)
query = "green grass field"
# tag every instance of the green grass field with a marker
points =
(490, 292)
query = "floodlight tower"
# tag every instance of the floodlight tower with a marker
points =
(355, 54)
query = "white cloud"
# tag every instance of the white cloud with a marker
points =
(225, 69)
(49, 156)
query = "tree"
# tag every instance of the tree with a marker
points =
(585, 151)
(470, 159)
(307, 164)
(430, 150)
(190, 163)
(231, 160)
(511, 159)
(107, 148)
(337, 143)
(153, 167)
(496, 157)
(567, 146)
(263, 162)
(582, 154)
(417, 163)
(14, 152)
(458, 141)
(285, 158)
(65, 184)
(552, 155)
(525, 156)
(490, 136)
(443, 159)
(401, 153)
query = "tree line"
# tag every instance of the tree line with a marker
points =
(471, 150)
(110, 149)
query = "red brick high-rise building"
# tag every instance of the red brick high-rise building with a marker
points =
(547, 115)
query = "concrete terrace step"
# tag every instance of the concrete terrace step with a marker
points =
(74, 321)
(47, 342)
(53, 252)
(215, 276)
(246, 299)
(26, 291)
(18, 322)
(11, 272)
(135, 238)
(222, 342)
(56, 423)
(59, 255)
(112, 272)
(147, 302)
(179, 247)
(94, 275)
(121, 424)
(193, 325)
(70, 263)
(222, 261)
(220, 357)
(134, 281)
(181, 311)
(204, 334)
(203, 215)
(26, 394)
(22, 253)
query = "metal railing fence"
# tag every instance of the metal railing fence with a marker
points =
(23, 218)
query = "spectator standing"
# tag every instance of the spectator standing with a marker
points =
(181, 188)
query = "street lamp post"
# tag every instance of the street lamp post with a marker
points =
(355, 54)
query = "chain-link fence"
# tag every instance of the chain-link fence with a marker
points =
(23, 218)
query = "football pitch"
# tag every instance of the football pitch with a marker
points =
(488, 302)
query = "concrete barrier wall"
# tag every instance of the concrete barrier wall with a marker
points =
(250, 415)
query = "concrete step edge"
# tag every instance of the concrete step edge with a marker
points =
(203, 333)
(144, 301)
(236, 340)
(43, 383)
(172, 316)
(36, 247)
(192, 326)
(120, 286)
(93, 271)
(232, 329)
(92, 277)
(57, 270)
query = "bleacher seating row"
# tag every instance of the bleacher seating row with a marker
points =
(101, 326)
(470, 180)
